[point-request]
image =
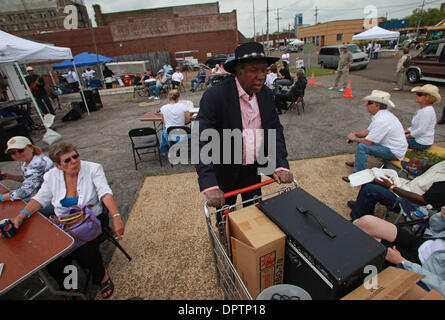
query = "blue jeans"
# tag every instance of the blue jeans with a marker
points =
(151, 90)
(370, 194)
(412, 144)
(376, 150)
(197, 81)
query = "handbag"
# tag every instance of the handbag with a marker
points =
(81, 223)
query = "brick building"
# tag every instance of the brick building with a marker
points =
(23, 17)
(183, 28)
(331, 33)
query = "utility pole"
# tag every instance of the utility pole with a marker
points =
(420, 19)
(254, 31)
(267, 24)
(316, 14)
(278, 21)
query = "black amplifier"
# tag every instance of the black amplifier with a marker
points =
(326, 255)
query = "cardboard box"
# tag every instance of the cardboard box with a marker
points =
(257, 249)
(394, 284)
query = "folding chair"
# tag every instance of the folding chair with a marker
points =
(294, 104)
(144, 138)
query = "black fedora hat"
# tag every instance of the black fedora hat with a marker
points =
(248, 51)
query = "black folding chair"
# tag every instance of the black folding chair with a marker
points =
(144, 138)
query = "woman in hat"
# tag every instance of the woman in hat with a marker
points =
(33, 164)
(420, 135)
(74, 182)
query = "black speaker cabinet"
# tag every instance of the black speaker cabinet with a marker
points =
(92, 97)
(11, 127)
(326, 255)
(77, 108)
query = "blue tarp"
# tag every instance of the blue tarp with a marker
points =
(83, 59)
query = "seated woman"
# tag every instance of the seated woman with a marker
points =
(174, 114)
(416, 254)
(33, 164)
(420, 135)
(76, 182)
(272, 76)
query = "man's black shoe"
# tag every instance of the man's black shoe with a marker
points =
(441, 121)
(351, 204)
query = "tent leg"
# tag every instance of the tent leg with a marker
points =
(81, 89)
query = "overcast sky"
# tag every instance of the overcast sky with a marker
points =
(286, 10)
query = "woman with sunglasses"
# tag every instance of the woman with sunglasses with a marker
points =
(420, 135)
(33, 164)
(76, 182)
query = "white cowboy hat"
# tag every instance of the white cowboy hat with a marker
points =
(428, 89)
(380, 97)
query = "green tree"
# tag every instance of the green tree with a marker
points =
(427, 17)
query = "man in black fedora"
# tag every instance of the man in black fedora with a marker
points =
(241, 104)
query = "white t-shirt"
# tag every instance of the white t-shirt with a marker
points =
(285, 57)
(270, 78)
(174, 114)
(177, 76)
(385, 129)
(423, 126)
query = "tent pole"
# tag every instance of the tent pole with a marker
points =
(81, 89)
(29, 91)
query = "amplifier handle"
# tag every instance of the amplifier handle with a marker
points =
(322, 225)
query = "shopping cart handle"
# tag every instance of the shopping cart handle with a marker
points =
(246, 189)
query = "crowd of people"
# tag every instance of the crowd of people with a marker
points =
(248, 92)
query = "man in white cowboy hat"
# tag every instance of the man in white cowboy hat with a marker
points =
(241, 104)
(384, 138)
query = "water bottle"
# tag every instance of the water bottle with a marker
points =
(422, 212)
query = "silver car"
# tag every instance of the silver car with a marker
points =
(328, 57)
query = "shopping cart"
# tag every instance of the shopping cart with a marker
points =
(228, 278)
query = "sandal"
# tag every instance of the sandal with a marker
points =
(106, 287)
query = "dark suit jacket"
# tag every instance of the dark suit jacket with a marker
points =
(220, 109)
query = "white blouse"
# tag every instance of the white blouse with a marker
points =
(92, 185)
(423, 126)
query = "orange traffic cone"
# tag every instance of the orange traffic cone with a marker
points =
(348, 92)
(312, 82)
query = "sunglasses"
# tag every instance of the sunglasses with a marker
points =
(369, 102)
(11, 153)
(68, 160)
(420, 94)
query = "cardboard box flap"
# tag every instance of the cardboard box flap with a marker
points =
(251, 226)
(392, 284)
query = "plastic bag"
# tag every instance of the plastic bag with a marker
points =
(48, 120)
(51, 137)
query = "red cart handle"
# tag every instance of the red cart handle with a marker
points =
(252, 187)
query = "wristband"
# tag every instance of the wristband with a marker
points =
(392, 187)
(116, 215)
(26, 212)
(1, 197)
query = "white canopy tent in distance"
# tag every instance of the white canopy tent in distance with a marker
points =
(15, 50)
(376, 33)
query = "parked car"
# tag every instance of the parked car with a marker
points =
(429, 64)
(216, 59)
(329, 55)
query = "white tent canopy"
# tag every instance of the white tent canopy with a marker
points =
(297, 42)
(15, 49)
(377, 33)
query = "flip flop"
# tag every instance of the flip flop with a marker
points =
(106, 287)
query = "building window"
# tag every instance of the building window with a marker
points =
(339, 36)
(318, 40)
(11, 17)
(42, 15)
(2, 19)
(22, 16)
(52, 13)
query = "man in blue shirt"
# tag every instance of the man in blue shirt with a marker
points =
(200, 78)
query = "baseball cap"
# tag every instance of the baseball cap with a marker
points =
(17, 142)
(29, 68)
